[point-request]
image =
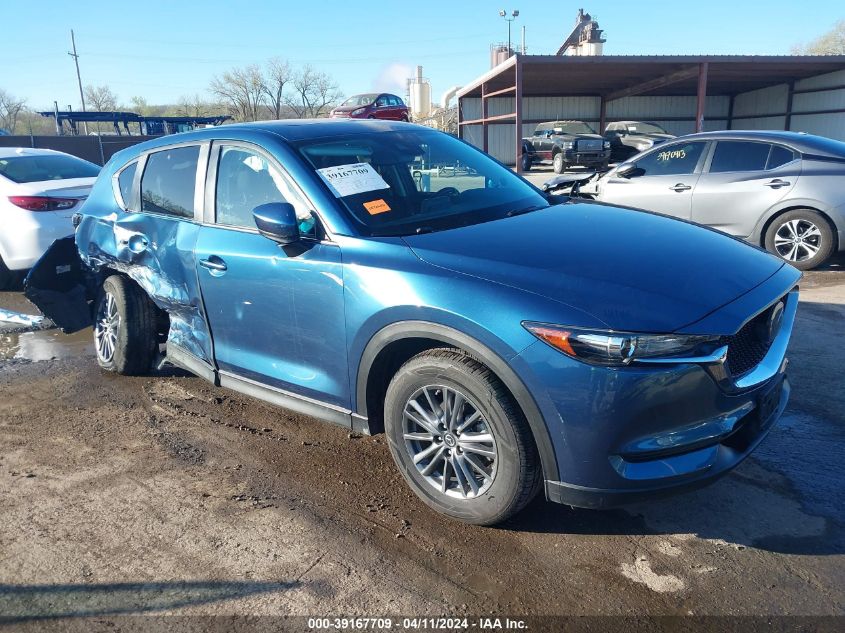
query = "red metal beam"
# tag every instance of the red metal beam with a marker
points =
(518, 111)
(701, 96)
(503, 91)
(484, 115)
(654, 84)
(489, 119)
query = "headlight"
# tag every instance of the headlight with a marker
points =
(567, 144)
(359, 111)
(602, 347)
(606, 144)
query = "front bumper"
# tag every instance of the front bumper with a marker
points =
(626, 434)
(574, 157)
(681, 472)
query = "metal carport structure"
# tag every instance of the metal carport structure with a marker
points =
(611, 79)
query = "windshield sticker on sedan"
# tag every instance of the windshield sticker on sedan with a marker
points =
(348, 180)
(667, 156)
(376, 206)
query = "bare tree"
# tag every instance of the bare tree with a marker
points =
(100, 98)
(192, 106)
(278, 75)
(830, 43)
(313, 93)
(242, 90)
(10, 109)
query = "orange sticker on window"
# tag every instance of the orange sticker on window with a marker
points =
(376, 206)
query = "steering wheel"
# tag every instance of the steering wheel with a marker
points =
(448, 191)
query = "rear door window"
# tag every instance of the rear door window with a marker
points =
(675, 160)
(169, 182)
(739, 156)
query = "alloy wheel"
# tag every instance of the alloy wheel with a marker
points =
(106, 328)
(798, 240)
(449, 441)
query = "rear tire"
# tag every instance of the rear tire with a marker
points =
(558, 163)
(801, 237)
(125, 337)
(473, 442)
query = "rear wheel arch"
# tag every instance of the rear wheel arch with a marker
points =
(761, 238)
(397, 343)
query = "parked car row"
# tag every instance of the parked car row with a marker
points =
(505, 341)
(565, 144)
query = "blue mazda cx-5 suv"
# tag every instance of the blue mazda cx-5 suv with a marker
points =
(390, 278)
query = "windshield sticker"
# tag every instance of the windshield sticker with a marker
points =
(348, 180)
(667, 156)
(376, 206)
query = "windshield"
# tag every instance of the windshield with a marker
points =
(360, 100)
(573, 127)
(401, 183)
(46, 167)
(645, 128)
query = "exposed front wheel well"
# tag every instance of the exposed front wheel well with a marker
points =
(385, 365)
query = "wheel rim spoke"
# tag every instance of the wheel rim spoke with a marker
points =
(449, 441)
(106, 328)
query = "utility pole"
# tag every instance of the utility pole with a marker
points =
(78, 77)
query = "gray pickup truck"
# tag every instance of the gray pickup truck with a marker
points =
(565, 144)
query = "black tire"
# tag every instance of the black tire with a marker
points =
(135, 342)
(515, 472)
(7, 277)
(558, 164)
(812, 227)
(526, 161)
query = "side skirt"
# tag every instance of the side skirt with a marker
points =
(279, 397)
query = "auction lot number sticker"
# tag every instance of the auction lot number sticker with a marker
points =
(417, 624)
(348, 180)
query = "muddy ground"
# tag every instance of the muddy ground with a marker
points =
(163, 494)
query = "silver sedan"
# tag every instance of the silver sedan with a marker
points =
(783, 191)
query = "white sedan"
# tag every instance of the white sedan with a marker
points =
(40, 190)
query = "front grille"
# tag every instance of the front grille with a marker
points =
(588, 145)
(747, 347)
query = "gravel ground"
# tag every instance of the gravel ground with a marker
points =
(165, 495)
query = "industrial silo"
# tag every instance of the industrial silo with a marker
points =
(419, 94)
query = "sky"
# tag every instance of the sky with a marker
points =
(163, 50)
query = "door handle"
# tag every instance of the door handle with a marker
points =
(680, 187)
(776, 183)
(214, 264)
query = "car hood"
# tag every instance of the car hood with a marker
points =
(656, 137)
(633, 270)
(350, 108)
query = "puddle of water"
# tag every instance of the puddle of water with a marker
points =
(46, 345)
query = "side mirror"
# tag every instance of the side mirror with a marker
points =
(277, 221)
(630, 171)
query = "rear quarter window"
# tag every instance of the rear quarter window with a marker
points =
(124, 185)
(169, 182)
